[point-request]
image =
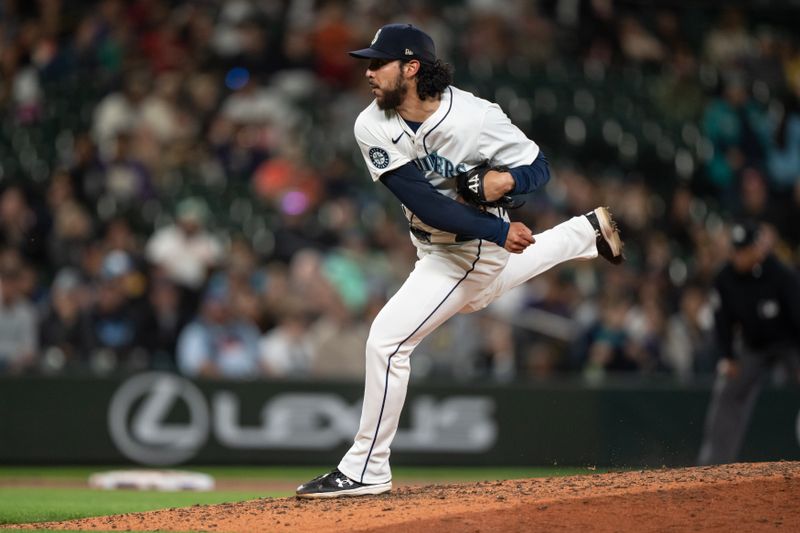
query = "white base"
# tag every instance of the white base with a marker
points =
(164, 480)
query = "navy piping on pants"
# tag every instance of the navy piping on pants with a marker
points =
(389, 362)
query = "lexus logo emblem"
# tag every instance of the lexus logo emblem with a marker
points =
(139, 419)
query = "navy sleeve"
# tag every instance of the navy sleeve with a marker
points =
(528, 178)
(437, 210)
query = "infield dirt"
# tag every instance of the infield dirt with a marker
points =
(748, 497)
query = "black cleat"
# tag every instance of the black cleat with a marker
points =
(334, 484)
(609, 244)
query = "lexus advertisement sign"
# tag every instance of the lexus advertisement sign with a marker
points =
(164, 419)
(143, 425)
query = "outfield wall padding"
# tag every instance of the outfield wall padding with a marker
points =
(162, 419)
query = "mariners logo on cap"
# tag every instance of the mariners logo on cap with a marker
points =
(379, 157)
(376, 36)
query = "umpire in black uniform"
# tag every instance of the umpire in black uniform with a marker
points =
(757, 324)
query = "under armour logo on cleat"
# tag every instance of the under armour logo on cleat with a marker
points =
(342, 482)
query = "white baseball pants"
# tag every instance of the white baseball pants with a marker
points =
(446, 280)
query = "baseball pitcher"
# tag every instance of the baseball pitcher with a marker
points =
(455, 162)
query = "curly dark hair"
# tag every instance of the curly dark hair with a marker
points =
(433, 79)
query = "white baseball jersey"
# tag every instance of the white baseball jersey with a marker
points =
(463, 133)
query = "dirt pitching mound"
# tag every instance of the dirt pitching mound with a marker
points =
(740, 497)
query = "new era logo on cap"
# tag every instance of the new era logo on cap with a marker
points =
(399, 41)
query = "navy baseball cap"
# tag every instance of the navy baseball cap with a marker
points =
(744, 234)
(399, 41)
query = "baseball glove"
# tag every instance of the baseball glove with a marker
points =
(469, 185)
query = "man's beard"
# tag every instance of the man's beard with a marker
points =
(392, 98)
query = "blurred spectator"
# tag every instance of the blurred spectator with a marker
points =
(337, 339)
(488, 41)
(346, 269)
(259, 53)
(542, 323)
(217, 343)
(238, 148)
(119, 113)
(64, 326)
(688, 343)
(72, 225)
(681, 224)
(186, 250)
(308, 282)
(710, 246)
(127, 180)
(764, 65)
(677, 93)
(638, 44)
(607, 344)
(729, 39)
(160, 39)
(265, 108)
(20, 227)
(597, 32)
(204, 90)
(633, 209)
(332, 37)
(736, 128)
(645, 325)
(163, 120)
(496, 354)
(119, 235)
(287, 182)
(115, 339)
(278, 287)
(86, 170)
(163, 321)
(242, 280)
(19, 339)
(286, 350)
(783, 155)
(27, 95)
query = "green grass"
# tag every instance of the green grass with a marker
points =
(44, 504)
(301, 473)
(35, 504)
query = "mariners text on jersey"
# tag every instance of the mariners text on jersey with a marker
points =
(441, 165)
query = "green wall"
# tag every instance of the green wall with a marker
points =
(163, 419)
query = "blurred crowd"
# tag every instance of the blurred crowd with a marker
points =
(180, 189)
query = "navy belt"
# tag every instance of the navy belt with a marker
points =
(447, 238)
